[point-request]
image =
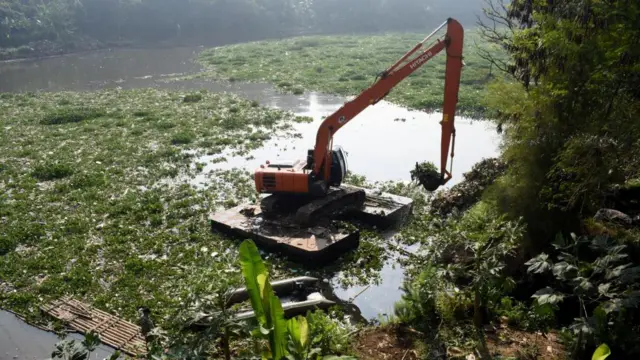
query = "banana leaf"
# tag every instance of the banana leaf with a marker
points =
(252, 269)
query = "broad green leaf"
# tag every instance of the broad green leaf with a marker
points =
(294, 330)
(252, 268)
(547, 296)
(583, 283)
(601, 353)
(539, 264)
(299, 332)
(262, 285)
(603, 289)
(628, 274)
(613, 305)
(278, 337)
(263, 330)
(564, 270)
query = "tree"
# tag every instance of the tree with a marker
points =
(569, 111)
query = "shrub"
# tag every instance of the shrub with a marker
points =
(141, 113)
(86, 180)
(597, 278)
(182, 138)
(6, 245)
(71, 115)
(192, 98)
(536, 317)
(418, 303)
(52, 171)
(468, 272)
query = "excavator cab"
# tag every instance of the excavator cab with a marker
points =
(338, 166)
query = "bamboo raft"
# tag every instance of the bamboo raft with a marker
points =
(112, 330)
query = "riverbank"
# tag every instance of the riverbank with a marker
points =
(46, 48)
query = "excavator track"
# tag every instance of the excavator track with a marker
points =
(282, 204)
(336, 202)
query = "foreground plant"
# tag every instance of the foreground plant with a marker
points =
(462, 266)
(596, 275)
(288, 339)
(70, 350)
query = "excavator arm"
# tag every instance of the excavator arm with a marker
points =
(405, 66)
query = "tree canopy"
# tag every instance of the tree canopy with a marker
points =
(570, 117)
(214, 21)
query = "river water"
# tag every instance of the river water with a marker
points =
(383, 143)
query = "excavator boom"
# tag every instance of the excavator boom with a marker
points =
(391, 77)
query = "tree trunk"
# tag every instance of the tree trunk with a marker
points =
(225, 344)
(477, 322)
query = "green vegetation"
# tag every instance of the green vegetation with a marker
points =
(96, 200)
(51, 171)
(70, 115)
(347, 65)
(605, 278)
(69, 350)
(568, 113)
(101, 208)
(570, 119)
(601, 353)
(191, 98)
(268, 335)
(458, 276)
(286, 338)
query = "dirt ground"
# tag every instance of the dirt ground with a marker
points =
(523, 345)
(396, 343)
(386, 343)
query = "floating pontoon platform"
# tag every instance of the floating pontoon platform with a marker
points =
(316, 244)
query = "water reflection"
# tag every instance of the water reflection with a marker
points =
(20, 341)
(378, 144)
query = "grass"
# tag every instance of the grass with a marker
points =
(346, 65)
(103, 209)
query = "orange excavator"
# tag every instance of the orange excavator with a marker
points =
(312, 187)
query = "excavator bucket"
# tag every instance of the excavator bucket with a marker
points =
(430, 183)
(427, 175)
